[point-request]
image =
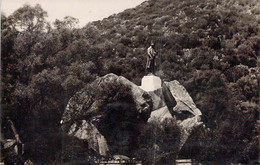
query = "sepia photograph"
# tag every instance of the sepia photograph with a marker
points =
(130, 82)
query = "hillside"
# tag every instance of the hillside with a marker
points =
(209, 46)
(182, 31)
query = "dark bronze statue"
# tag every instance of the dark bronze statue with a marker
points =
(150, 64)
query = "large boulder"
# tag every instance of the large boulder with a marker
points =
(107, 114)
(175, 102)
(179, 106)
(112, 112)
(87, 131)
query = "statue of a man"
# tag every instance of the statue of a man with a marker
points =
(150, 64)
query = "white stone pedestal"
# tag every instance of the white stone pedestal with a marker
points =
(151, 83)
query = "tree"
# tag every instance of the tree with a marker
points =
(30, 19)
(67, 23)
(8, 61)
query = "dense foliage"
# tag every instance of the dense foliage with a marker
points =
(210, 46)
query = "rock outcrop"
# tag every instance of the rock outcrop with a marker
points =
(89, 100)
(110, 113)
(110, 107)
